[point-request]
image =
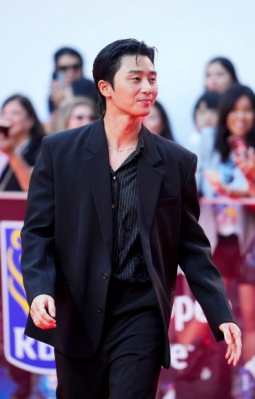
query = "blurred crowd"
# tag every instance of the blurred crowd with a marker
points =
(223, 139)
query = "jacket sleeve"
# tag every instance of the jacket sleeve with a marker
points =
(37, 235)
(195, 259)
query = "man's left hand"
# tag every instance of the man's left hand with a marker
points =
(232, 336)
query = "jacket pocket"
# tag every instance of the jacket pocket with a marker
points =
(167, 201)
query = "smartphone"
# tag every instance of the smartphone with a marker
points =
(61, 78)
(237, 144)
(4, 130)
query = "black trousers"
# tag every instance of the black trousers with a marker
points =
(128, 361)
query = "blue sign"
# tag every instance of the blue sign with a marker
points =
(20, 350)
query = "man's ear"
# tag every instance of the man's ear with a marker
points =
(105, 88)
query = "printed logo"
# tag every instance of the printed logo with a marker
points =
(20, 350)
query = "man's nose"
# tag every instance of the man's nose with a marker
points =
(146, 86)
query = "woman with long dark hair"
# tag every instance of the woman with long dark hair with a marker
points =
(19, 144)
(157, 121)
(232, 224)
(236, 123)
(220, 74)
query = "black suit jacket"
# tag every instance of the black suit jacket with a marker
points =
(67, 235)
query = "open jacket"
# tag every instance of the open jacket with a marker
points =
(67, 235)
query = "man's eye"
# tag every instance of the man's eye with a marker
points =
(136, 78)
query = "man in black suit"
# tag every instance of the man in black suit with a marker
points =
(112, 211)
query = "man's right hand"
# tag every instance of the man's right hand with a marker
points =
(43, 312)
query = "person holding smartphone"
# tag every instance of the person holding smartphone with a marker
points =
(68, 78)
(232, 226)
(68, 81)
(20, 142)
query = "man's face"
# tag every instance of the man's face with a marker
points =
(70, 66)
(135, 86)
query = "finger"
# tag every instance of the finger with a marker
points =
(44, 302)
(46, 316)
(35, 309)
(34, 317)
(42, 323)
(238, 350)
(228, 353)
(51, 308)
(45, 326)
(232, 354)
(236, 336)
(227, 336)
(235, 357)
(42, 319)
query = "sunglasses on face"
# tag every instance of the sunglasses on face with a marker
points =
(74, 67)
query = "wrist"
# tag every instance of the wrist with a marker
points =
(12, 155)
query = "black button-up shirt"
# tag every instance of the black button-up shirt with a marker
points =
(128, 261)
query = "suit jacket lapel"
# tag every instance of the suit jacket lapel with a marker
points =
(149, 180)
(98, 171)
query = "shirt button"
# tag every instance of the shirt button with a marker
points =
(105, 276)
(100, 309)
(114, 178)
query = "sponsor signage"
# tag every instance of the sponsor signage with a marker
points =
(20, 350)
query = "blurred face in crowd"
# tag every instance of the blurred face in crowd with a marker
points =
(241, 118)
(81, 115)
(70, 66)
(217, 78)
(153, 121)
(205, 117)
(20, 122)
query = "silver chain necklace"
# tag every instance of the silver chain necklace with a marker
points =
(122, 149)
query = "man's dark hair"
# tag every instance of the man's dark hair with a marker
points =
(108, 61)
(69, 51)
